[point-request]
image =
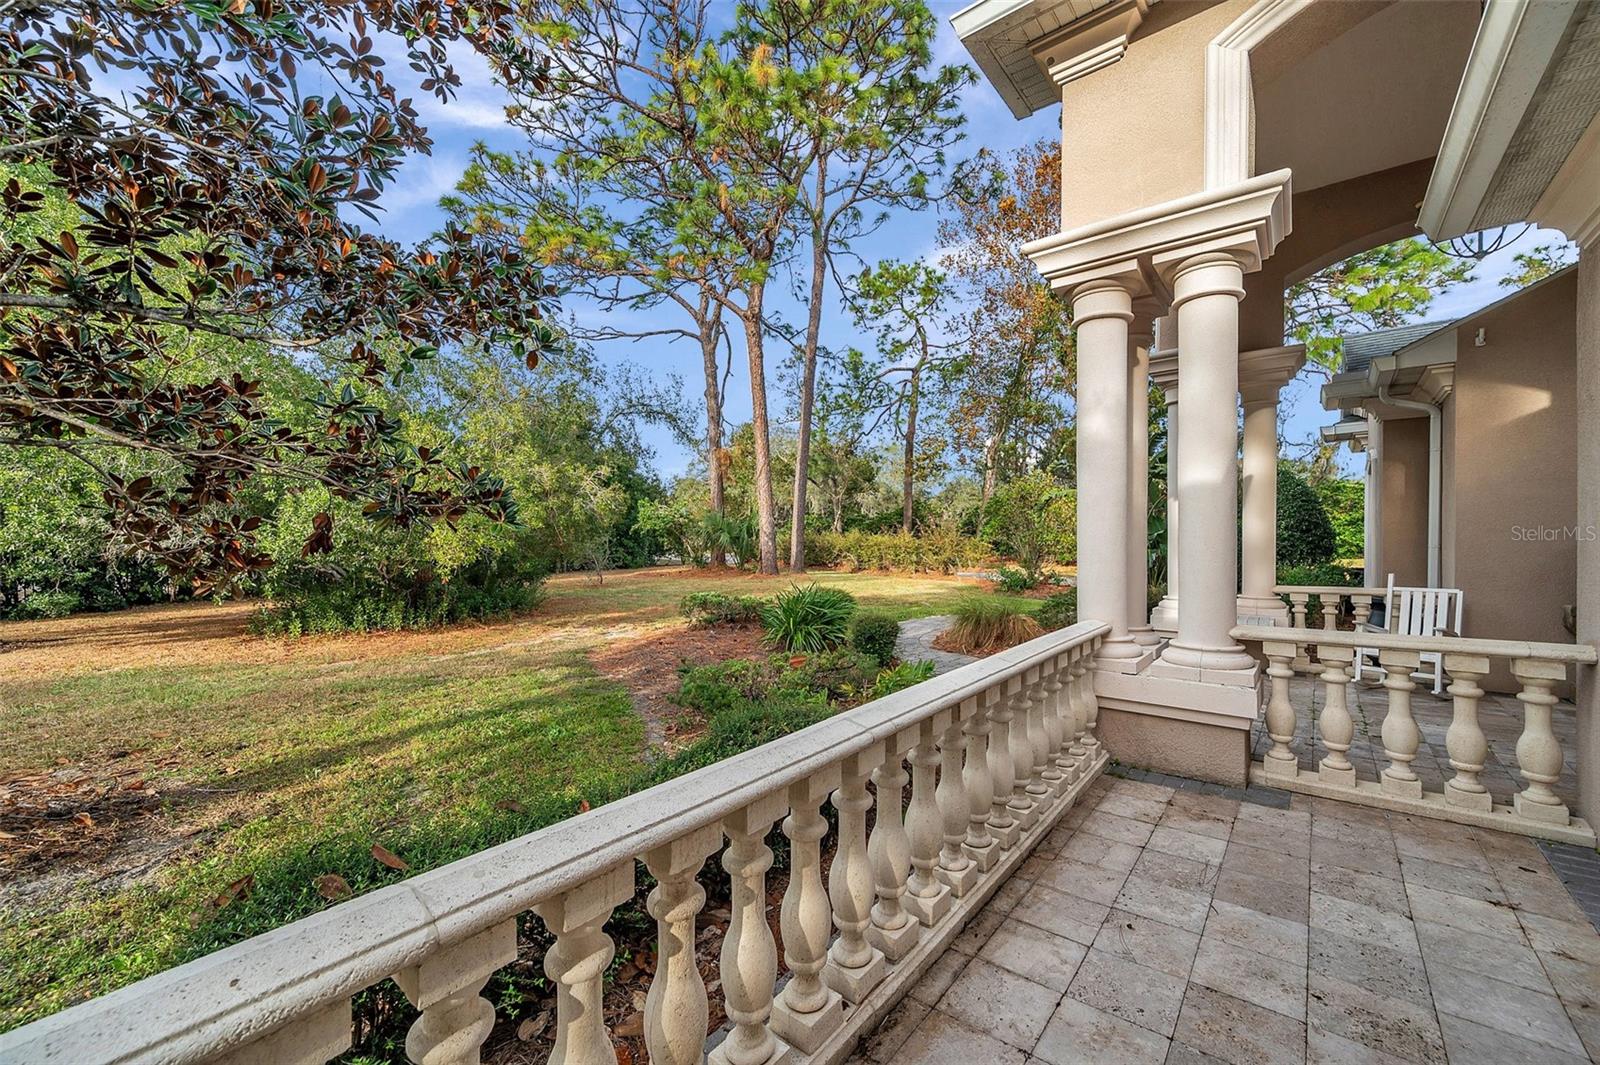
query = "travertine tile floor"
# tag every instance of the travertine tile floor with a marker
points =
(1156, 925)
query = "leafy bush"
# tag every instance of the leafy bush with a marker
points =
(874, 635)
(1324, 574)
(744, 724)
(736, 536)
(1034, 520)
(1059, 610)
(986, 623)
(712, 689)
(423, 602)
(938, 550)
(49, 605)
(1305, 536)
(808, 618)
(1013, 580)
(901, 676)
(837, 674)
(1345, 504)
(715, 608)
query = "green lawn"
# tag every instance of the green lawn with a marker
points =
(285, 763)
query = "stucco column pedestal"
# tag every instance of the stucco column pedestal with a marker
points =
(1101, 311)
(1262, 374)
(1139, 628)
(1164, 372)
(1206, 293)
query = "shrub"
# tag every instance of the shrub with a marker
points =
(874, 635)
(1059, 610)
(742, 725)
(836, 674)
(1013, 580)
(1324, 574)
(1345, 503)
(49, 605)
(715, 688)
(938, 550)
(901, 676)
(987, 623)
(715, 608)
(1033, 520)
(809, 618)
(1305, 536)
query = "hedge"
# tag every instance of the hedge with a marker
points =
(935, 552)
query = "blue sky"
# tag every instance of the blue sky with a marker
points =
(411, 213)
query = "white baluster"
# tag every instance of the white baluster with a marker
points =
(978, 845)
(1465, 742)
(1089, 702)
(1280, 761)
(927, 897)
(1055, 729)
(675, 1009)
(1400, 734)
(1335, 724)
(577, 964)
(1076, 761)
(894, 930)
(446, 987)
(807, 1011)
(956, 870)
(1538, 750)
(854, 966)
(1361, 605)
(310, 1039)
(749, 964)
(1005, 828)
(1040, 788)
(1024, 810)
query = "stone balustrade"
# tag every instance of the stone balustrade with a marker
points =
(1326, 603)
(1536, 810)
(999, 750)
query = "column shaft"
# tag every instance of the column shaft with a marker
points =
(1139, 492)
(1206, 292)
(1260, 554)
(1101, 312)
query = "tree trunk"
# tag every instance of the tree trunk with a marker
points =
(716, 476)
(911, 445)
(808, 390)
(766, 506)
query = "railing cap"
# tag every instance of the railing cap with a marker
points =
(1573, 653)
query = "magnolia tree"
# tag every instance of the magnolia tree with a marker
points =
(204, 199)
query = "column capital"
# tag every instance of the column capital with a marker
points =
(1102, 298)
(1144, 249)
(1213, 273)
(1263, 372)
(1164, 372)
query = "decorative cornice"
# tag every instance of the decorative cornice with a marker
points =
(1142, 249)
(1090, 43)
(1438, 380)
(1164, 373)
(1230, 100)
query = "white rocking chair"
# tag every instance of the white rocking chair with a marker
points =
(1416, 612)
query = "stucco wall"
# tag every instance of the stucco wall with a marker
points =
(1515, 468)
(1587, 428)
(1403, 481)
(1133, 133)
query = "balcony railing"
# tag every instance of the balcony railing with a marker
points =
(999, 750)
(1328, 603)
(1536, 810)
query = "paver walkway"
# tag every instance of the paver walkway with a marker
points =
(1171, 926)
(915, 643)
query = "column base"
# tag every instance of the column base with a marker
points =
(1145, 636)
(854, 984)
(806, 1031)
(1240, 677)
(962, 882)
(1264, 606)
(1164, 618)
(929, 909)
(1135, 664)
(1178, 726)
(782, 1054)
(896, 943)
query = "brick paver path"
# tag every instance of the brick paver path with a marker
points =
(1157, 925)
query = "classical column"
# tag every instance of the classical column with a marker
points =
(1164, 372)
(1206, 294)
(1372, 513)
(1101, 311)
(1140, 341)
(1262, 375)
